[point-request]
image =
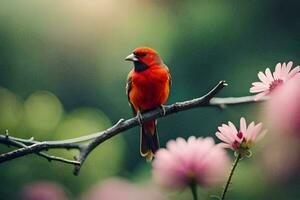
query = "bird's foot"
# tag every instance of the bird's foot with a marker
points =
(139, 117)
(163, 110)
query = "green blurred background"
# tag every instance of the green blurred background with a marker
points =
(62, 75)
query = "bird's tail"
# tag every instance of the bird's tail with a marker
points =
(149, 140)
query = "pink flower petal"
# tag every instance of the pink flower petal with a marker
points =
(294, 72)
(226, 130)
(256, 131)
(225, 145)
(256, 89)
(269, 75)
(263, 78)
(243, 125)
(223, 137)
(250, 130)
(284, 71)
(233, 128)
(283, 68)
(260, 84)
(277, 72)
(250, 126)
(289, 66)
(260, 95)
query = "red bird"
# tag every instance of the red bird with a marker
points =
(148, 87)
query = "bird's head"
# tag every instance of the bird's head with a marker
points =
(144, 57)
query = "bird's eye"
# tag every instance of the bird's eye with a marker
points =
(140, 54)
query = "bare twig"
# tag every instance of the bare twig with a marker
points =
(16, 143)
(29, 146)
(58, 144)
(229, 101)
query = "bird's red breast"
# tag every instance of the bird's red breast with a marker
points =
(149, 88)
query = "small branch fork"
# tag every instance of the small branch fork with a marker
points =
(31, 146)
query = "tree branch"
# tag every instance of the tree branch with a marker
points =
(14, 142)
(29, 146)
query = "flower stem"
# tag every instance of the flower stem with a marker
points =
(237, 159)
(193, 187)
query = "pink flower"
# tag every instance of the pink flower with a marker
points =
(238, 139)
(197, 160)
(116, 189)
(269, 82)
(43, 191)
(283, 110)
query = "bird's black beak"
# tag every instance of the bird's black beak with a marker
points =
(132, 58)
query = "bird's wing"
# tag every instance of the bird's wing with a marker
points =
(170, 79)
(128, 89)
(169, 74)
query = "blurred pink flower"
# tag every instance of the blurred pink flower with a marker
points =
(116, 189)
(283, 109)
(197, 160)
(43, 191)
(279, 159)
(238, 139)
(269, 82)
